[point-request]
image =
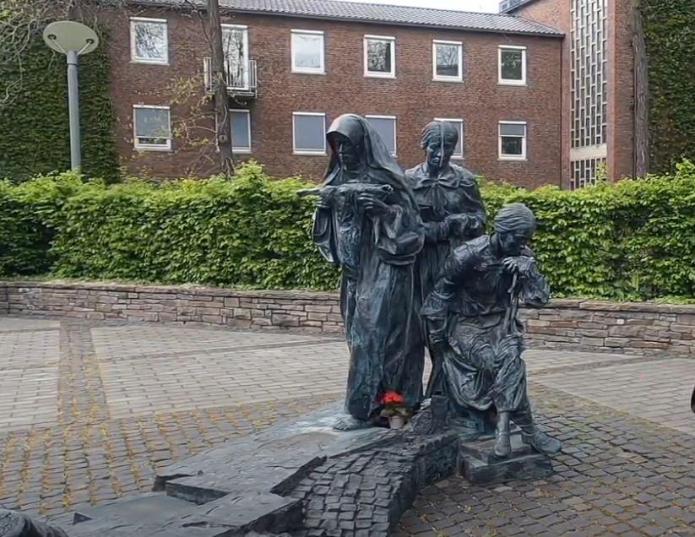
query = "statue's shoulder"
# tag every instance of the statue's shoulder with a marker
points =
(464, 175)
(472, 250)
(413, 174)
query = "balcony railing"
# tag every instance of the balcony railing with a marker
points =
(241, 77)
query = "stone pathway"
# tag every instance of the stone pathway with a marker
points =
(89, 411)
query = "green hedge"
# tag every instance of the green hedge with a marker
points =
(631, 240)
(246, 232)
(29, 217)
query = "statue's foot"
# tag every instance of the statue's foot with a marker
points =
(348, 423)
(542, 442)
(503, 446)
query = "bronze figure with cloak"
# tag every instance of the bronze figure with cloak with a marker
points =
(367, 223)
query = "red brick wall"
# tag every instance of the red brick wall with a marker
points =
(621, 88)
(556, 14)
(413, 97)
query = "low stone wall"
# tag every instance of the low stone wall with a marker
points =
(317, 312)
(576, 324)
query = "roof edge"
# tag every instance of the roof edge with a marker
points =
(513, 5)
(550, 32)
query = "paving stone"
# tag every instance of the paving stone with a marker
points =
(86, 445)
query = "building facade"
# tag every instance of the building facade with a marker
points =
(600, 113)
(293, 67)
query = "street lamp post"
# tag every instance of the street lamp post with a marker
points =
(72, 39)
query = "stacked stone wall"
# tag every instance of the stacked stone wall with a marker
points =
(576, 324)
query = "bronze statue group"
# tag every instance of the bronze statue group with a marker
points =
(419, 272)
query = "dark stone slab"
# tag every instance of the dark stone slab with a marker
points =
(303, 479)
(266, 513)
(153, 507)
(157, 514)
(16, 524)
(273, 461)
(479, 464)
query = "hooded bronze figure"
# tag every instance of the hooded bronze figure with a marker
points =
(367, 223)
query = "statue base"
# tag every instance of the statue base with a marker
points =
(304, 479)
(479, 464)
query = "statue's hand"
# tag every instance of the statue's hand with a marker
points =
(440, 348)
(326, 198)
(372, 204)
(323, 203)
(519, 264)
(457, 225)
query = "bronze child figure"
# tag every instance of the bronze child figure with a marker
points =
(451, 209)
(473, 314)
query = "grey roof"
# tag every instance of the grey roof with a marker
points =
(379, 13)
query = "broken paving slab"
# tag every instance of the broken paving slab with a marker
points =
(272, 461)
(303, 479)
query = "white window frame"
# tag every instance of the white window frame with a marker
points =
(306, 152)
(511, 81)
(446, 78)
(150, 147)
(523, 140)
(133, 49)
(365, 56)
(237, 149)
(455, 121)
(395, 130)
(308, 70)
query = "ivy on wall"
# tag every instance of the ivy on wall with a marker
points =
(34, 130)
(670, 39)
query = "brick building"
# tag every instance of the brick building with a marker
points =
(295, 66)
(603, 118)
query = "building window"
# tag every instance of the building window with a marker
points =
(148, 41)
(152, 126)
(447, 60)
(307, 52)
(241, 131)
(458, 123)
(512, 144)
(385, 126)
(308, 133)
(588, 66)
(235, 43)
(379, 56)
(512, 65)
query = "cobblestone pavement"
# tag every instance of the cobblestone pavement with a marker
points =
(89, 411)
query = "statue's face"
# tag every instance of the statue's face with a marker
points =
(438, 154)
(350, 155)
(511, 242)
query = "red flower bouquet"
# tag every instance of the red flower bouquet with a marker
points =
(392, 399)
(394, 408)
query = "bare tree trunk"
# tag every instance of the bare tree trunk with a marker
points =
(219, 84)
(641, 136)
